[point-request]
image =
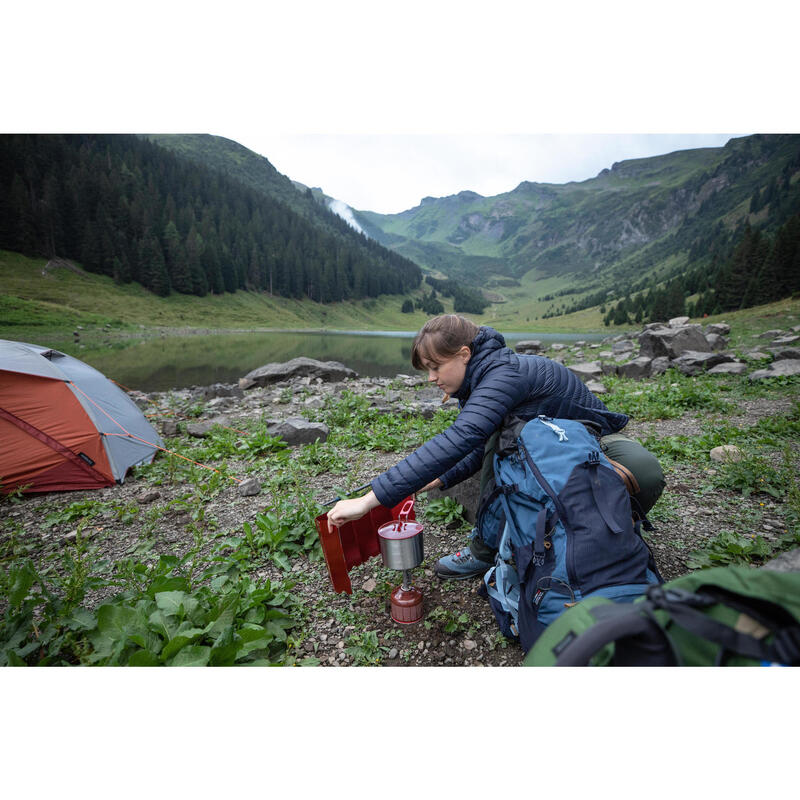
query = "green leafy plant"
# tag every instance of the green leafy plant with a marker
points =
(444, 510)
(364, 649)
(729, 548)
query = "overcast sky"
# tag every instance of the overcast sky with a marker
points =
(390, 173)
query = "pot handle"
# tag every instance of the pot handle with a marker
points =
(406, 510)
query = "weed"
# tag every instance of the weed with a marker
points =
(364, 649)
(452, 621)
(444, 510)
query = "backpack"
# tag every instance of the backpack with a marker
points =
(563, 525)
(725, 616)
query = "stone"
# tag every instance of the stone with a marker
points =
(148, 497)
(693, 362)
(790, 366)
(469, 644)
(392, 654)
(467, 493)
(217, 390)
(659, 365)
(784, 340)
(653, 326)
(558, 346)
(370, 585)
(200, 430)
(769, 334)
(638, 368)
(726, 453)
(595, 387)
(246, 383)
(528, 346)
(249, 487)
(586, 370)
(298, 430)
(605, 354)
(625, 346)
(169, 428)
(716, 342)
(785, 353)
(672, 342)
(298, 368)
(313, 402)
(720, 328)
(580, 344)
(757, 354)
(785, 562)
(678, 322)
(608, 368)
(729, 368)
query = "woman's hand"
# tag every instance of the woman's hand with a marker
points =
(436, 483)
(348, 510)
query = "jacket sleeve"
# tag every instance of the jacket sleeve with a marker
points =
(499, 390)
(468, 466)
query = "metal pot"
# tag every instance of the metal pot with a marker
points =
(401, 541)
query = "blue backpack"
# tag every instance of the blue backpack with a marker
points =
(563, 514)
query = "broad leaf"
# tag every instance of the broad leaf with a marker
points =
(143, 658)
(171, 603)
(192, 656)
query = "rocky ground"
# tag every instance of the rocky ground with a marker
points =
(458, 628)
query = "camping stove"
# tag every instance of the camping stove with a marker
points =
(401, 549)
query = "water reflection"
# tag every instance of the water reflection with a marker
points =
(179, 361)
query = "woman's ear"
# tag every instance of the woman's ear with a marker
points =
(465, 354)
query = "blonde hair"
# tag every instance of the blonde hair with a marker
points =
(441, 338)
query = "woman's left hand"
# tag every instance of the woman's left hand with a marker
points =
(349, 510)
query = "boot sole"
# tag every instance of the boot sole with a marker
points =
(455, 577)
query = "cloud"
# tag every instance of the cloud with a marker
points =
(345, 212)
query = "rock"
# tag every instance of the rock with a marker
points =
(756, 354)
(595, 387)
(624, 346)
(580, 344)
(693, 362)
(217, 390)
(672, 342)
(659, 365)
(720, 328)
(558, 346)
(784, 340)
(678, 322)
(467, 493)
(785, 562)
(785, 353)
(716, 342)
(605, 354)
(586, 370)
(169, 428)
(790, 366)
(298, 368)
(249, 488)
(528, 346)
(638, 368)
(370, 585)
(726, 453)
(729, 368)
(653, 326)
(246, 383)
(148, 497)
(392, 654)
(469, 644)
(313, 402)
(298, 430)
(200, 430)
(608, 368)
(769, 334)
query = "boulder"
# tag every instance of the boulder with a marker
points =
(784, 340)
(624, 346)
(769, 334)
(528, 346)
(467, 493)
(605, 354)
(757, 354)
(608, 368)
(720, 328)
(200, 430)
(217, 390)
(638, 368)
(785, 562)
(729, 368)
(785, 353)
(558, 346)
(249, 488)
(726, 453)
(790, 366)
(595, 387)
(659, 365)
(693, 362)
(297, 368)
(653, 326)
(671, 342)
(169, 428)
(716, 341)
(678, 322)
(586, 370)
(298, 430)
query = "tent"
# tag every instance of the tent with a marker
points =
(64, 425)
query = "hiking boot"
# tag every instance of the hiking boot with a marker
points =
(460, 565)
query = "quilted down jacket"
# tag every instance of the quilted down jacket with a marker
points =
(497, 382)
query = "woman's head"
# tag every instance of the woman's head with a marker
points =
(442, 347)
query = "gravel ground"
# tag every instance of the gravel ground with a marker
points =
(458, 628)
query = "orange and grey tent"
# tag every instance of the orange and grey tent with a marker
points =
(64, 425)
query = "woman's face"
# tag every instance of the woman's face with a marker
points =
(448, 373)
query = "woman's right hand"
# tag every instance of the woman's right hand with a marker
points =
(436, 483)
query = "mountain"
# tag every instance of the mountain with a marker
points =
(641, 216)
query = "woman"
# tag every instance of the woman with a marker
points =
(490, 381)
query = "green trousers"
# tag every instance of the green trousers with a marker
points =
(618, 447)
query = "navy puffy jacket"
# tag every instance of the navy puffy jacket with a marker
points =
(497, 382)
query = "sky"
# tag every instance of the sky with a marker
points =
(391, 173)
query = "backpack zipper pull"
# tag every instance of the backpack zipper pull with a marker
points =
(562, 434)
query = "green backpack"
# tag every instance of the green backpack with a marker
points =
(727, 616)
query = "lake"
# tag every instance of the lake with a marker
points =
(175, 362)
